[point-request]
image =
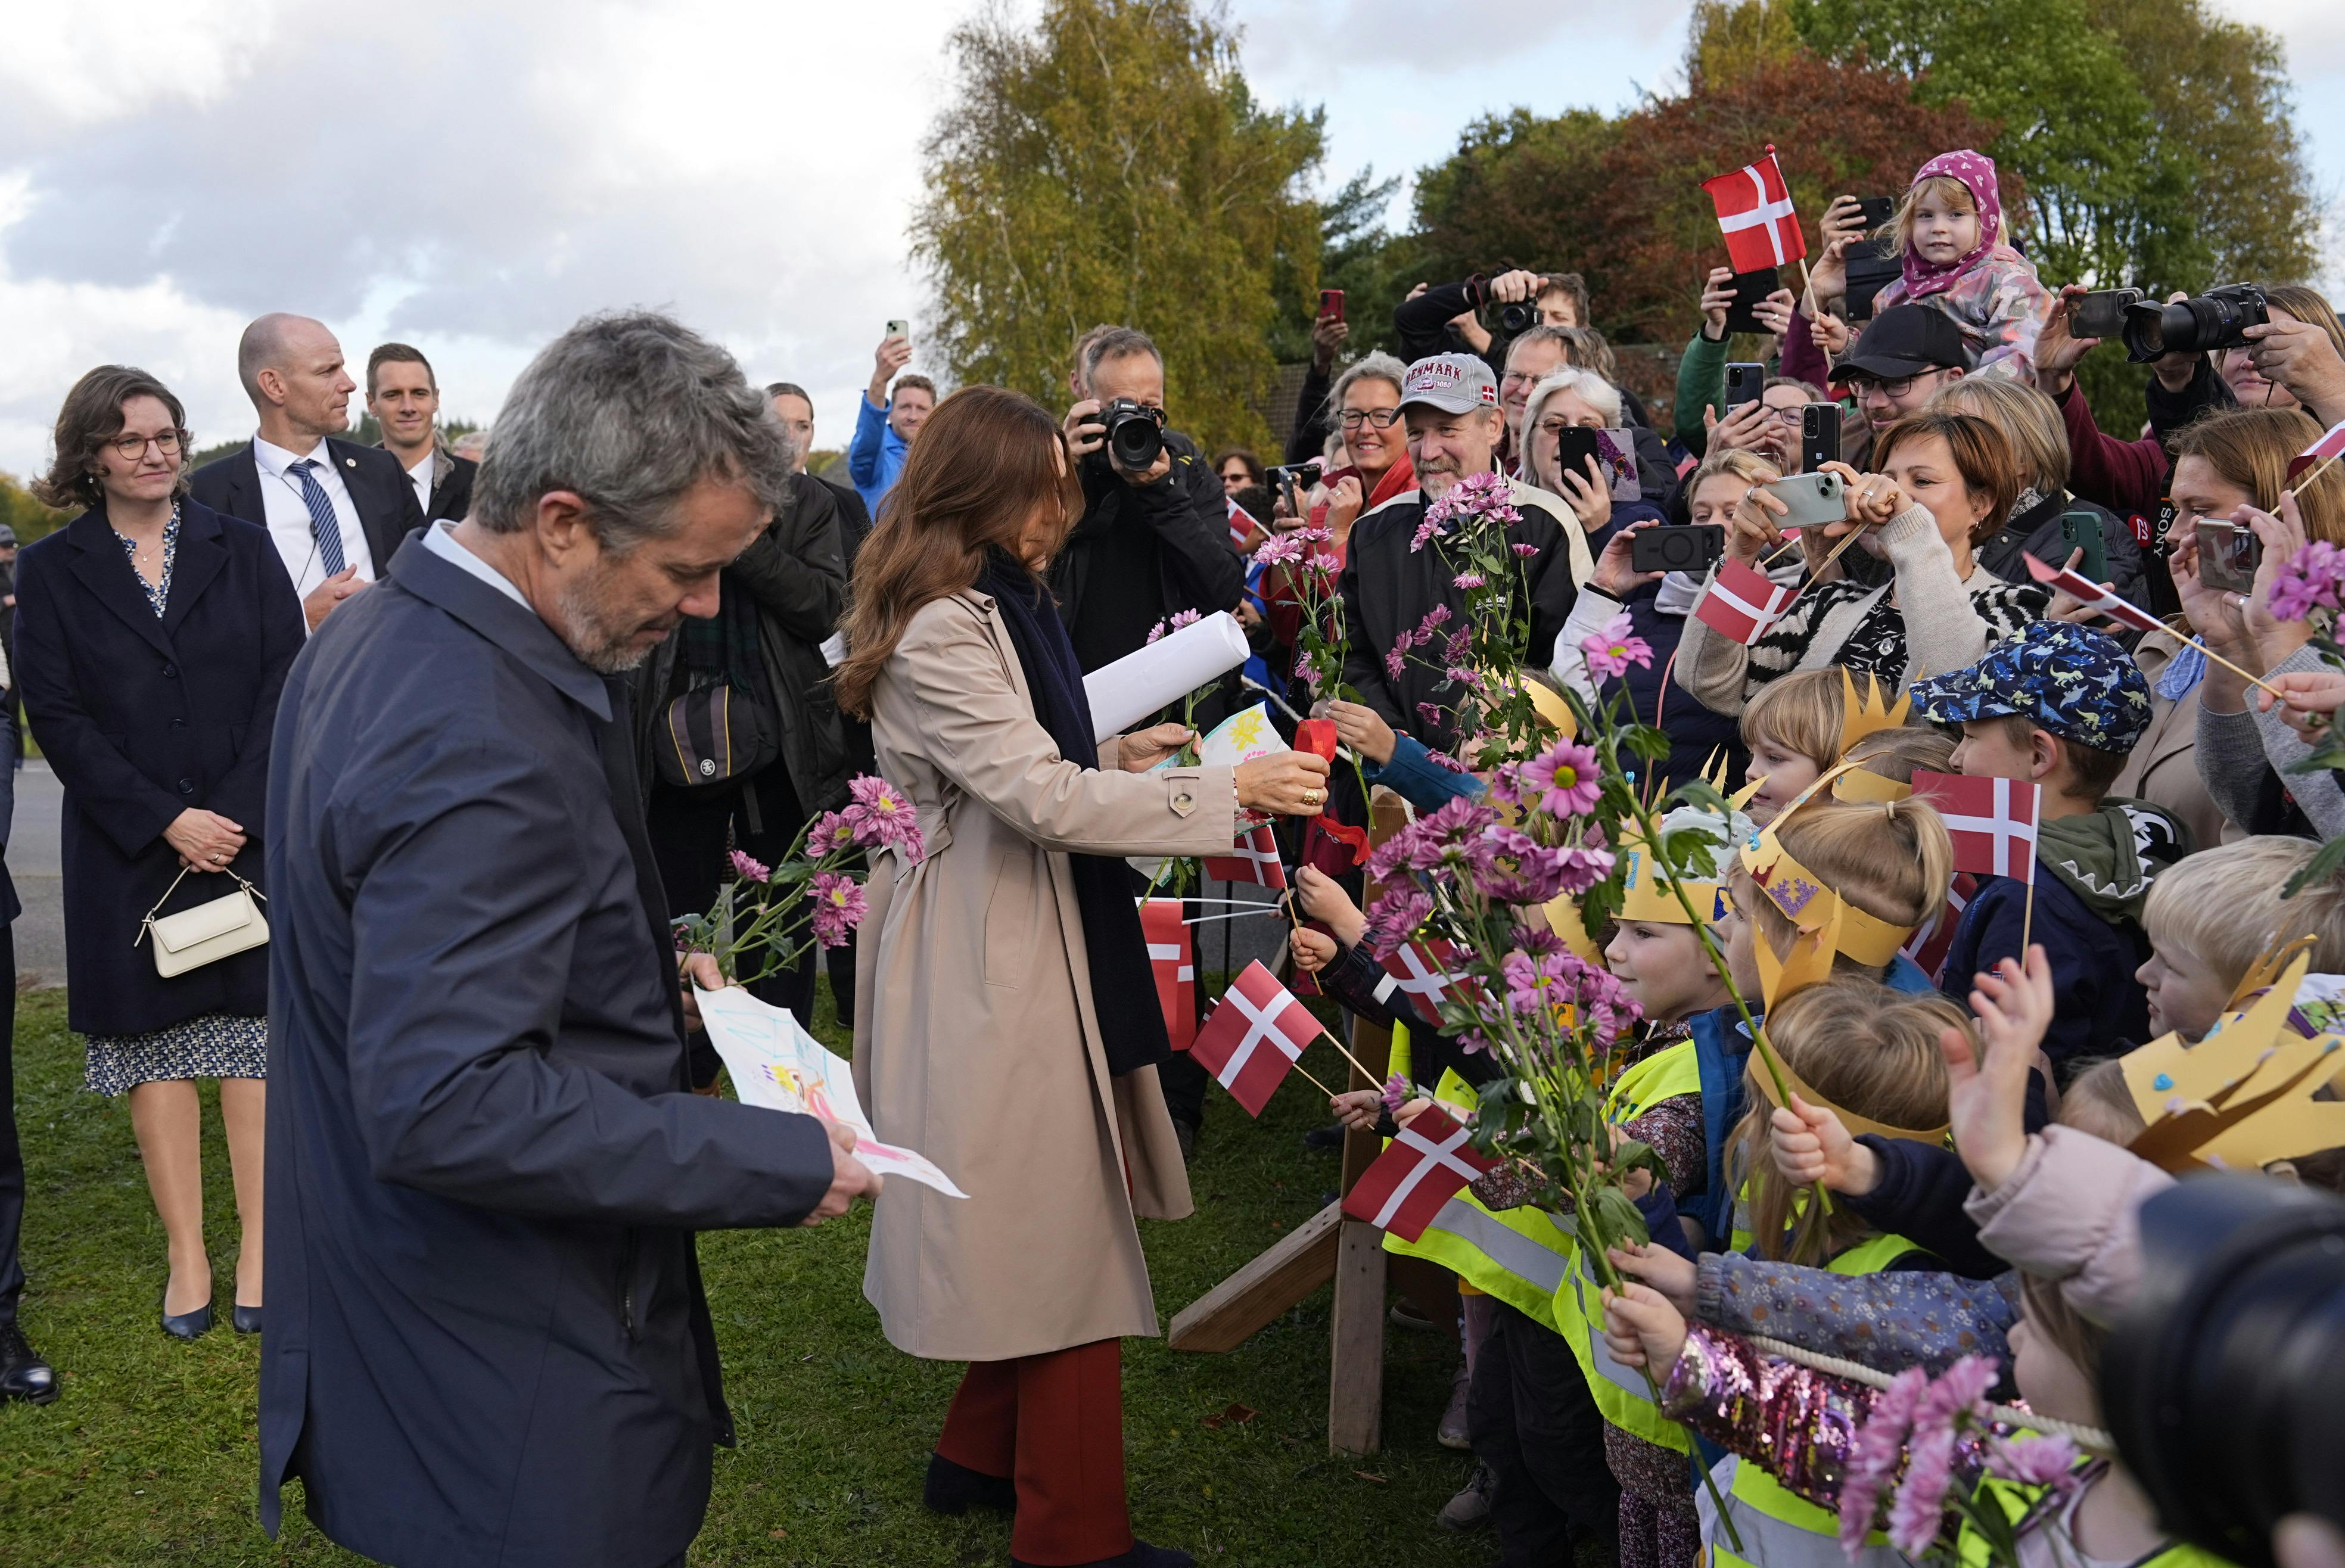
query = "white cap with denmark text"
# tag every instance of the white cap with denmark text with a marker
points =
(1454, 383)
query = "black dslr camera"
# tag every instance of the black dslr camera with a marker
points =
(1134, 434)
(2218, 318)
(2225, 1382)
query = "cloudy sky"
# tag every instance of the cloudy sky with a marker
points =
(470, 178)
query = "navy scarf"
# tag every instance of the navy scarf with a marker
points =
(1134, 1035)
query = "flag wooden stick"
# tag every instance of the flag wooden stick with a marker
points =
(1347, 1052)
(2234, 669)
(2027, 919)
(2314, 473)
(1315, 1083)
(1807, 289)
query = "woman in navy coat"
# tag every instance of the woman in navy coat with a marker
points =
(152, 638)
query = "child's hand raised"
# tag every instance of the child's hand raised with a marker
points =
(1323, 899)
(1313, 950)
(1986, 1098)
(1673, 1276)
(1358, 1109)
(1811, 1145)
(1642, 1330)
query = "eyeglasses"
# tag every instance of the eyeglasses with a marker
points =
(1790, 416)
(133, 448)
(1891, 388)
(1383, 418)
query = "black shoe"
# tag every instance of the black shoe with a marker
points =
(246, 1319)
(1185, 1134)
(1325, 1138)
(192, 1325)
(956, 1488)
(23, 1374)
(1141, 1555)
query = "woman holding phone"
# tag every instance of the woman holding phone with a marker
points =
(1944, 482)
(1007, 1023)
(2231, 481)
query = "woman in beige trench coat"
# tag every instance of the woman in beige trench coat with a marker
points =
(979, 1040)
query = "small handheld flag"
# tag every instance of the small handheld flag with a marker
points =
(2324, 452)
(1254, 858)
(1754, 212)
(2087, 592)
(1254, 1035)
(1741, 602)
(1991, 820)
(1430, 972)
(1419, 1171)
(1173, 960)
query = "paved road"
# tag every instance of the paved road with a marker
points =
(33, 863)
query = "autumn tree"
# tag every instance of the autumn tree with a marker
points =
(1111, 164)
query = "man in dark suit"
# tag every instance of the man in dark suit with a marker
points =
(487, 1342)
(404, 396)
(23, 1375)
(336, 509)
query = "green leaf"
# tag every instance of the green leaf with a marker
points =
(2320, 868)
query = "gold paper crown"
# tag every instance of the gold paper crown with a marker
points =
(1646, 894)
(2243, 1096)
(1861, 716)
(1828, 923)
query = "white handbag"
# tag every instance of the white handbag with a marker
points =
(207, 933)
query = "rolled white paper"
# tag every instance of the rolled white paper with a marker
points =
(1163, 672)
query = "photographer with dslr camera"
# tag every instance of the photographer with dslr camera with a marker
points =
(1446, 316)
(2240, 344)
(1154, 536)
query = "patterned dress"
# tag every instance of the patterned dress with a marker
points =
(214, 1046)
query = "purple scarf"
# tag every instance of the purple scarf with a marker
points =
(1975, 171)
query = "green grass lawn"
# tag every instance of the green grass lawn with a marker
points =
(149, 1456)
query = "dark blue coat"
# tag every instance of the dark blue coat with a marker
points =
(2099, 1008)
(143, 717)
(487, 1342)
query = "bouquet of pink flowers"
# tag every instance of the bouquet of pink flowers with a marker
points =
(761, 910)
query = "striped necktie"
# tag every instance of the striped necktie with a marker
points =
(324, 526)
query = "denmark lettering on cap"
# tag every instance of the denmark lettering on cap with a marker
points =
(1454, 383)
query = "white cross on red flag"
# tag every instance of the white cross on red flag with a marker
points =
(1243, 529)
(1174, 963)
(2326, 449)
(1743, 601)
(2084, 590)
(1754, 212)
(1928, 946)
(1429, 971)
(1254, 858)
(1992, 822)
(1254, 1035)
(1419, 1171)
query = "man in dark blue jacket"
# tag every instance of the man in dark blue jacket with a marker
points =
(487, 1341)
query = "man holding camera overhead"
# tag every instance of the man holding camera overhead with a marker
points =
(1154, 537)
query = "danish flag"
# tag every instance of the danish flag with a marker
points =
(1928, 946)
(1428, 971)
(2324, 452)
(1743, 601)
(1243, 527)
(1419, 1171)
(1174, 963)
(1992, 822)
(1254, 858)
(2084, 590)
(1754, 211)
(1253, 1037)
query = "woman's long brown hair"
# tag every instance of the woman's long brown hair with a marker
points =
(981, 470)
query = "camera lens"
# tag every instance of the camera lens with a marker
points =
(1516, 318)
(1136, 441)
(2224, 1385)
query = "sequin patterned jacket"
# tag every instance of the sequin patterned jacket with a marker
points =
(1797, 1423)
(1892, 1319)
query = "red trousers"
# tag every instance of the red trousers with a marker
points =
(1054, 1422)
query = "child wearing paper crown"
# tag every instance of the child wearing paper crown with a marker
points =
(2211, 916)
(2061, 705)
(1803, 725)
(2059, 1205)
